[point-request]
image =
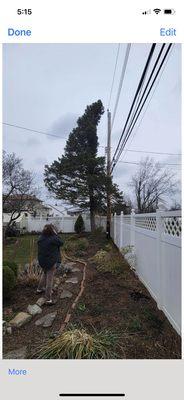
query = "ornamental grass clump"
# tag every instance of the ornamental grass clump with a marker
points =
(78, 344)
(108, 262)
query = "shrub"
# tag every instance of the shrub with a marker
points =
(108, 262)
(79, 225)
(76, 245)
(9, 281)
(78, 344)
(12, 265)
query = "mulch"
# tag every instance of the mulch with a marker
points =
(119, 303)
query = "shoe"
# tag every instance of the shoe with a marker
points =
(50, 302)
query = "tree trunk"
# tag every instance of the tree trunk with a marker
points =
(92, 220)
(92, 212)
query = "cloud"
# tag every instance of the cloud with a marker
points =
(41, 161)
(33, 142)
(64, 125)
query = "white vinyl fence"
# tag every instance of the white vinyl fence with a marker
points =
(156, 240)
(65, 223)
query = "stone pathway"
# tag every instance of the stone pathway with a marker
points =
(66, 294)
(47, 320)
(73, 280)
(34, 310)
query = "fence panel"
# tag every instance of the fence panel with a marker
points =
(156, 238)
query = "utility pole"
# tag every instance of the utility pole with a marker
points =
(108, 173)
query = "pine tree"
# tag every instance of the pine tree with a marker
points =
(79, 176)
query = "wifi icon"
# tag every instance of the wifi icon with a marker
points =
(157, 10)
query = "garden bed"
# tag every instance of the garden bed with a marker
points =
(115, 301)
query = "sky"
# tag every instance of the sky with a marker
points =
(46, 87)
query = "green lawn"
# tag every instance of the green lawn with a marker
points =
(22, 252)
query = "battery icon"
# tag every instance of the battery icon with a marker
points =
(169, 11)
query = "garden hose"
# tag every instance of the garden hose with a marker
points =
(82, 287)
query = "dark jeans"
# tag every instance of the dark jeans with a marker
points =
(46, 282)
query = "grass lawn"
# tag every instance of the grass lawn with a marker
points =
(22, 250)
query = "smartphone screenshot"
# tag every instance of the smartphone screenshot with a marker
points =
(91, 189)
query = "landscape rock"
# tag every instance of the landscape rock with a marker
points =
(72, 280)
(68, 267)
(34, 309)
(16, 354)
(9, 330)
(41, 301)
(66, 294)
(20, 319)
(4, 327)
(47, 320)
(76, 269)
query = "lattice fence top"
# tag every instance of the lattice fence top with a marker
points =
(172, 226)
(146, 223)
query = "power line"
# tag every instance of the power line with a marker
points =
(154, 152)
(33, 130)
(121, 81)
(135, 98)
(140, 106)
(143, 100)
(115, 67)
(138, 163)
(59, 137)
(158, 80)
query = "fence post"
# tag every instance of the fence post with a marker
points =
(159, 259)
(121, 231)
(132, 237)
(114, 228)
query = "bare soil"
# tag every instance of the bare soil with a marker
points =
(117, 302)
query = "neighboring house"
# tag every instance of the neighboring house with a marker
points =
(25, 203)
(56, 210)
(21, 222)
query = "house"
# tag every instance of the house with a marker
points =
(26, 204)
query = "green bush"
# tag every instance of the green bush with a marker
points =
(12, 265)
(108, 262)
(75, 246)
(79, 225)
(9, 281)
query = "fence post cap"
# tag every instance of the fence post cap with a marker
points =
(133, 211)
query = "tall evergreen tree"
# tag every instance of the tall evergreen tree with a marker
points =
(79, 175)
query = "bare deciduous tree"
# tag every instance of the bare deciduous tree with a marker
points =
(18, 186)
(150, 184)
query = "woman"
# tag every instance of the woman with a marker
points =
(49, 245)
